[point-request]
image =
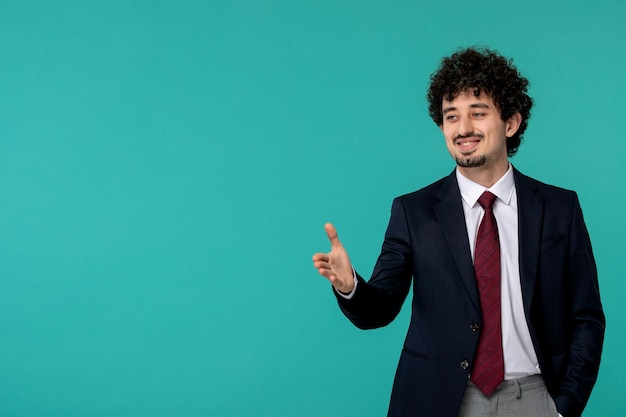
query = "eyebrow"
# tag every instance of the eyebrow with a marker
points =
(473, 105)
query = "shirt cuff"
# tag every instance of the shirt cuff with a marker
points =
(351, 293)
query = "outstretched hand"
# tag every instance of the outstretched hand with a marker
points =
(335, 265)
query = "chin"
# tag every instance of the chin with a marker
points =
(471, 161)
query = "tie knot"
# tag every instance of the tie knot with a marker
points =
(486, 200)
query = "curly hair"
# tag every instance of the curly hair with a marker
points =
(485, 70)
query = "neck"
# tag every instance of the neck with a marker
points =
(485, 175)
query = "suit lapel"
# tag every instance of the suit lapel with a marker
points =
(530, 211)
(449, 212)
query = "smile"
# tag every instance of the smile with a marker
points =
(467, 144)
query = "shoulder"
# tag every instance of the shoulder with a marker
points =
(553, 198)
(425, 200)
(526, 183)
(430, 193)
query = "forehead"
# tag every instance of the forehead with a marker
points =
(468, 98)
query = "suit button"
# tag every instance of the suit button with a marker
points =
(464, 364)
(475, 327)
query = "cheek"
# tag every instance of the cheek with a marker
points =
(447, 132)
(450, 145)
(448, 137)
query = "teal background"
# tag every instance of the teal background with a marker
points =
(166, 168)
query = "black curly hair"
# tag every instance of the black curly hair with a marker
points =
(485, 70)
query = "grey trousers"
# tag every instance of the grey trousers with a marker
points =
(523, 397)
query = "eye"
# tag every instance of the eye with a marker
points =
(451, 117)
(479, 115)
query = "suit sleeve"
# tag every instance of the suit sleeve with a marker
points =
(377, 302)
(587, 322)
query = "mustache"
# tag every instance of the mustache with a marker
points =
(471, 135)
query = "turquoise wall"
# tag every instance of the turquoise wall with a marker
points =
(166, 168)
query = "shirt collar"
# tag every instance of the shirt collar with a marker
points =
(471, 191)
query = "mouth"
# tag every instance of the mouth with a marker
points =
(468, 144)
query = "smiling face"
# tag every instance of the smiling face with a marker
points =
(476, 134)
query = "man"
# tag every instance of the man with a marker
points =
(506, 316)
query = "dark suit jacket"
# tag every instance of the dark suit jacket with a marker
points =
(426, 243)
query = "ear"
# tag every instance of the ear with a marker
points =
(512, 124)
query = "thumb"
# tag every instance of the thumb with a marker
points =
(332, 236)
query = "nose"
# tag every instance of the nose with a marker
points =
(465, 126)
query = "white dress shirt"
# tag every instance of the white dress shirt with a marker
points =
(520, 358)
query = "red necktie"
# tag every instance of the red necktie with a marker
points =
(488, 368)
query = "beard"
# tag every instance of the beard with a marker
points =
(471, 162)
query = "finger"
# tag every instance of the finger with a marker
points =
(326, 273)
(321, 257)
(332, 236)
(334, 280)
(331, 276)
(321, 264)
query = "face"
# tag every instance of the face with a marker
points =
(475, 132)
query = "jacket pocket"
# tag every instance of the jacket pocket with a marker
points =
(417, 353)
